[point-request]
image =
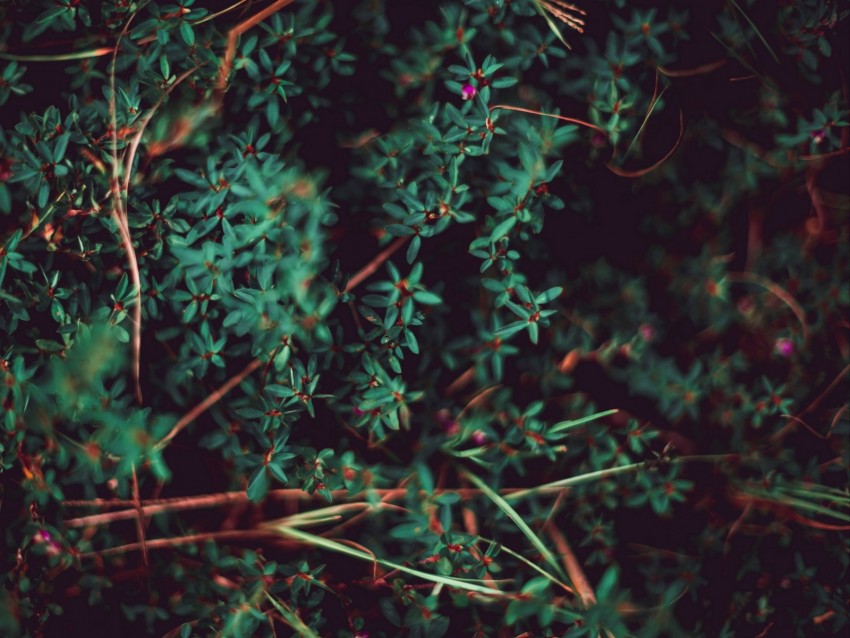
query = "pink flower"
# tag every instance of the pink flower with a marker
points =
(784, 347)
(449, 425)
(43, 536)
(468, 92)
(479, 438)
(647, 332)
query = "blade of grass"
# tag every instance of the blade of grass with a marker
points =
(821, 492)
(578, 480)
(292, 618)
(801, 504)
(531, 564)
(57, 57)
(340, 548)
(551, 23)
(740, 59)
(756, 29)
(563, 426)
(614, 471)
(517, 519)
(656, 97)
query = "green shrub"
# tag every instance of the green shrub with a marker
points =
(369, 318)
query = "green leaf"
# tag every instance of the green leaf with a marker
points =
(60, 146)
(186, 33)
(427, 298)
(258, 486)
(502, 229)
(413, 249)
(607, 583)
(511, 328)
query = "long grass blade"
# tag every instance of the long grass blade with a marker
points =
(494, 496)
(756, 29)
(563, 426)
(340, 548)
(551, 23)
(530, 564)
(292, 618)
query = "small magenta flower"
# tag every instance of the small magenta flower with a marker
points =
(449, 425)
(468, 92)
(647, 331)
(784, 347)
(479, 438)
(53, 548)
(6, 168)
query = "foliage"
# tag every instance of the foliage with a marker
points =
(478, 317)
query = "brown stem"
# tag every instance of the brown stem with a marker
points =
(463, 380)
(571, 564)
(158, 506)
(232, 39)
(140, 515)
(697, 70)
(119, 215)
(373, 265)
(639, 173)
(821, 156)
(563, 118)
(161, 543)
(781, 434)
(211, 400)
(786, 297)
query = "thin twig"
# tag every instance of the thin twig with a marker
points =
(137, 138)
(119, 215)
(563, 118)
(211, 400)
(124, 227)
(477, 400)
(640, 173)
(373, 265)
(821, 156)
(781, 434)
(140, 515)
(698, 70)
(215, 15)
(158, 506)
(572, 565)
(233, 38)
(58, 57)
(465, 377)
(778, 291)
(161, 543)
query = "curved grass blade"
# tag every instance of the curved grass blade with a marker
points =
(292, 618)
(563, 426)
(340, 548)
(503, 505)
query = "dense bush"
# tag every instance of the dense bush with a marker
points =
(389, 318)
